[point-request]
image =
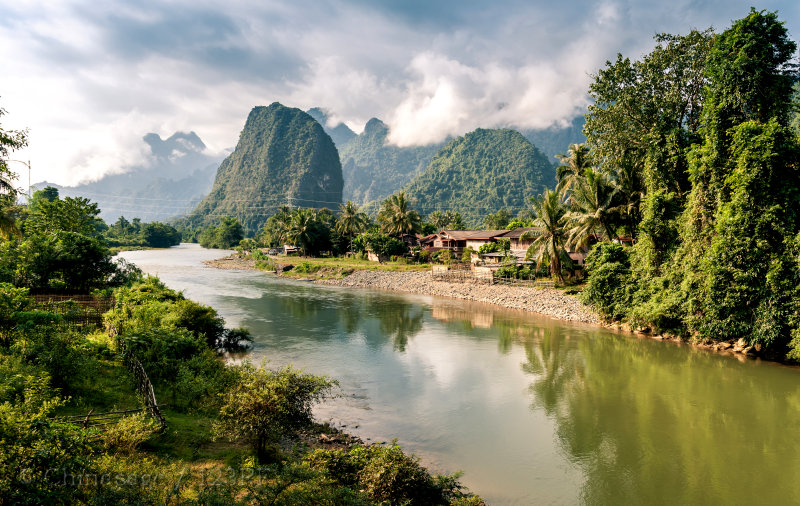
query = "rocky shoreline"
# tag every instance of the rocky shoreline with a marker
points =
(546, 301)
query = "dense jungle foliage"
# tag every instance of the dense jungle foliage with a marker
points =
(701, 131)
(282, 155)
(480, 173)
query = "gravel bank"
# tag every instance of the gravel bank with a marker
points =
(546, 301)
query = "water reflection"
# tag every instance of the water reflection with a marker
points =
(535, 411)
(649, 423)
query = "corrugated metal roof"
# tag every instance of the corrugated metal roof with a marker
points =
(465, 235)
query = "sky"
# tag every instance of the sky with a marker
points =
(89, 79)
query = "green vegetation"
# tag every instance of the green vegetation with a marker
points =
(397, 217)
(311, 230)
(283, 154)
(374, 169)
(482, 172)
(55, 363)
(125, 234)
(696, 140)
(549, 232)
(226, 235)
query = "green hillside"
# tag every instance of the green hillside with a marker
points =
(284, 157)
(482, 172)
(373, 169)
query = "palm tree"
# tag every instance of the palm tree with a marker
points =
(548, 225)
(396, 216)
(302, 230)
(351, 222)
(438, 219)
(572, 166)
(593, 208)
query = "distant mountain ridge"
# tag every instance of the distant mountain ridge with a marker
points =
(480, 173)
(283, 157)
(340, 133)
(179, 174)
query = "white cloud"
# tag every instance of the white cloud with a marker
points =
(90, 80)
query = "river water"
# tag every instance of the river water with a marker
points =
(533, 410)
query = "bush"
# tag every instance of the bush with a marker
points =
(609, 287)
(129, 433)
(306, 268)
(389, 475)
(264, 405)
(266, 265)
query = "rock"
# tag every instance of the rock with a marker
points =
(724, 345)
(740, 345)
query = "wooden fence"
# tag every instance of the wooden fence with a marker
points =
(143, 384)
(483, 275)
(98, 420)
(76, 310)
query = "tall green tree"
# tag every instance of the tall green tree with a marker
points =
(351, 221)
(548, 224)
(303, 230)
(593, 208)
(572, 166)
(10, 140)
(746, 189)
(397, 217)
(498, 220)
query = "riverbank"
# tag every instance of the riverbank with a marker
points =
(546, 301)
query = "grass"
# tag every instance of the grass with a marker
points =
(352, 263)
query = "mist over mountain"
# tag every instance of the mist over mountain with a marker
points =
(480, 173)
(340, 133)
(176, 175)
(556, 140)
(283, 157)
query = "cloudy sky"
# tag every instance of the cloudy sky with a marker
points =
(90, 78)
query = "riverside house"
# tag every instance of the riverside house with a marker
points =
(459, 240)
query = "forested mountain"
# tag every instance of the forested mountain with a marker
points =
(284, 157)
(178, 175)
(340, 133)
(480, 173)
(373, 169)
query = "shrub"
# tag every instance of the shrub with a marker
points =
(129, 433)
(266, 265)
(609, 288)
(389, 475)
(263, 405)
(306, 268)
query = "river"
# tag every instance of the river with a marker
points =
(533, 410)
